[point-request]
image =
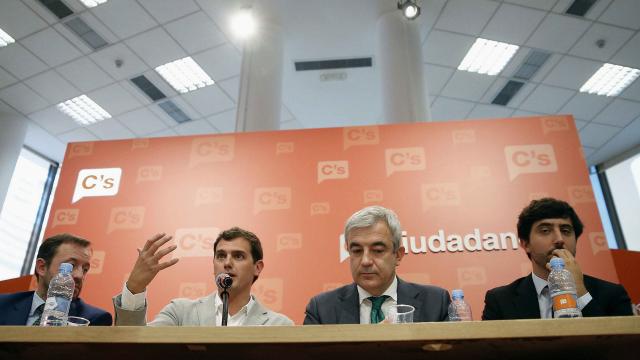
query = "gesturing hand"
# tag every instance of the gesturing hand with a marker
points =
(148, 263)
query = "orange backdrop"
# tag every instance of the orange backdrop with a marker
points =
(456, 186)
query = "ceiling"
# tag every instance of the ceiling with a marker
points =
(48, 64)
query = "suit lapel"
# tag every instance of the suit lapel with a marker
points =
(526, 300)
(206, 312)
(21, 309)
(407, 295)
(348, 309)
(258, 314)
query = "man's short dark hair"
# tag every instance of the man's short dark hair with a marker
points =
(49, 246)
(546, 208)
(236, 232)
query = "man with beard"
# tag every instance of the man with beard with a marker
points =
(550, 228)
(236, 252)
(25, 308)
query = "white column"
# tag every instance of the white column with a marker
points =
(399, 62)
(260, 95)
(13, 129)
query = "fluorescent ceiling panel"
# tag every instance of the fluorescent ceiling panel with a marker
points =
(83, 110)
(5, 39)
(184, 75)
(610, 80)
(487, 57)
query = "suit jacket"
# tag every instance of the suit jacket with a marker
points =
(199, 312)
(15, 308)
(342, 305)
(519, 300)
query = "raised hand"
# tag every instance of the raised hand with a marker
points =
(148, 263)
(572, 265)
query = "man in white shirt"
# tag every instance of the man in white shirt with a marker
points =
(373, 237)
(550, 228)
(237, 252)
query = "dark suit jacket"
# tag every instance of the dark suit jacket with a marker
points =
(519, 300)
(341, 306)
(14, 310)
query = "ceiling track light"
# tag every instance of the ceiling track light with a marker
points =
(410, 9)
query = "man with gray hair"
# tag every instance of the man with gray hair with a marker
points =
(373, 239)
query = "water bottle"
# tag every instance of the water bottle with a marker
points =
(459, 310)
(61, 287)
(562, 289)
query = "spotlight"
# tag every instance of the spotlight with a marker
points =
(410, 8)
(243, 24)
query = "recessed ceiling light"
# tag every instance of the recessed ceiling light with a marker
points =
(93, 3)
(184, 75)
(83, 110)
(5, 39)
(610, 80)
(487, 57)
(243, 24)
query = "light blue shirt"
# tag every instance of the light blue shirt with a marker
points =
(37, 301)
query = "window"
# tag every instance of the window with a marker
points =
(624, 184)
(23, 212)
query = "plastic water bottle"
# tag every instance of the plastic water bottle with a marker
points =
(61, 287)
(562, 289)
(459, 310)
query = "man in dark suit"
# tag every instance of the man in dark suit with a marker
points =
(25, 308)
(550, 228)
(373, 237)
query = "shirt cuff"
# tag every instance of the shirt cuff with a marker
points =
(132, 302)
(584, 300)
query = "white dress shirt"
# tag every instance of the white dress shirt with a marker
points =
(544, 298)
(365, 304)
(136, 302)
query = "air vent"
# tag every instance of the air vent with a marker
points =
(333, 64)
(174, 111)
(57, 7)
(508, 92)
(580, 7)
(531, 64)
(80, 28)
(148, 88)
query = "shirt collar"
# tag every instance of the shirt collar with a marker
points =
(37, 301)
(539, 283)
(217, 302)
(392, 291)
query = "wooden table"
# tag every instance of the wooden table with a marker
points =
(587, 338)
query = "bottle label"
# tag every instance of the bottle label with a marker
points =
(57, 304)
(564, 301)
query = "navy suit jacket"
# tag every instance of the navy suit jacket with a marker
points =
(519, 300)
(14, 310)
(342, 305)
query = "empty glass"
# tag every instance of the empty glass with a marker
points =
(400, 314)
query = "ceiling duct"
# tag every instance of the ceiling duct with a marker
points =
(57, 7)
(580, 7)
(508, 92)
(174, 111)
(333, 64)
(86, 33)
(531, 64)
(148, 88)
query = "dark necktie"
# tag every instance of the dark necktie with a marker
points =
(38, 314)
(547, 295)
(376, 308)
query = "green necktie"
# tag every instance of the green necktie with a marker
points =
(38, 315)
(376, 308)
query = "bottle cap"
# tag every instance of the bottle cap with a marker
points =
(65, 268)
(457, 294)
(556, 263)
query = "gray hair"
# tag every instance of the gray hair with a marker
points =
(371, 215)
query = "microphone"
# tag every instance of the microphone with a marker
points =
(224, 280)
